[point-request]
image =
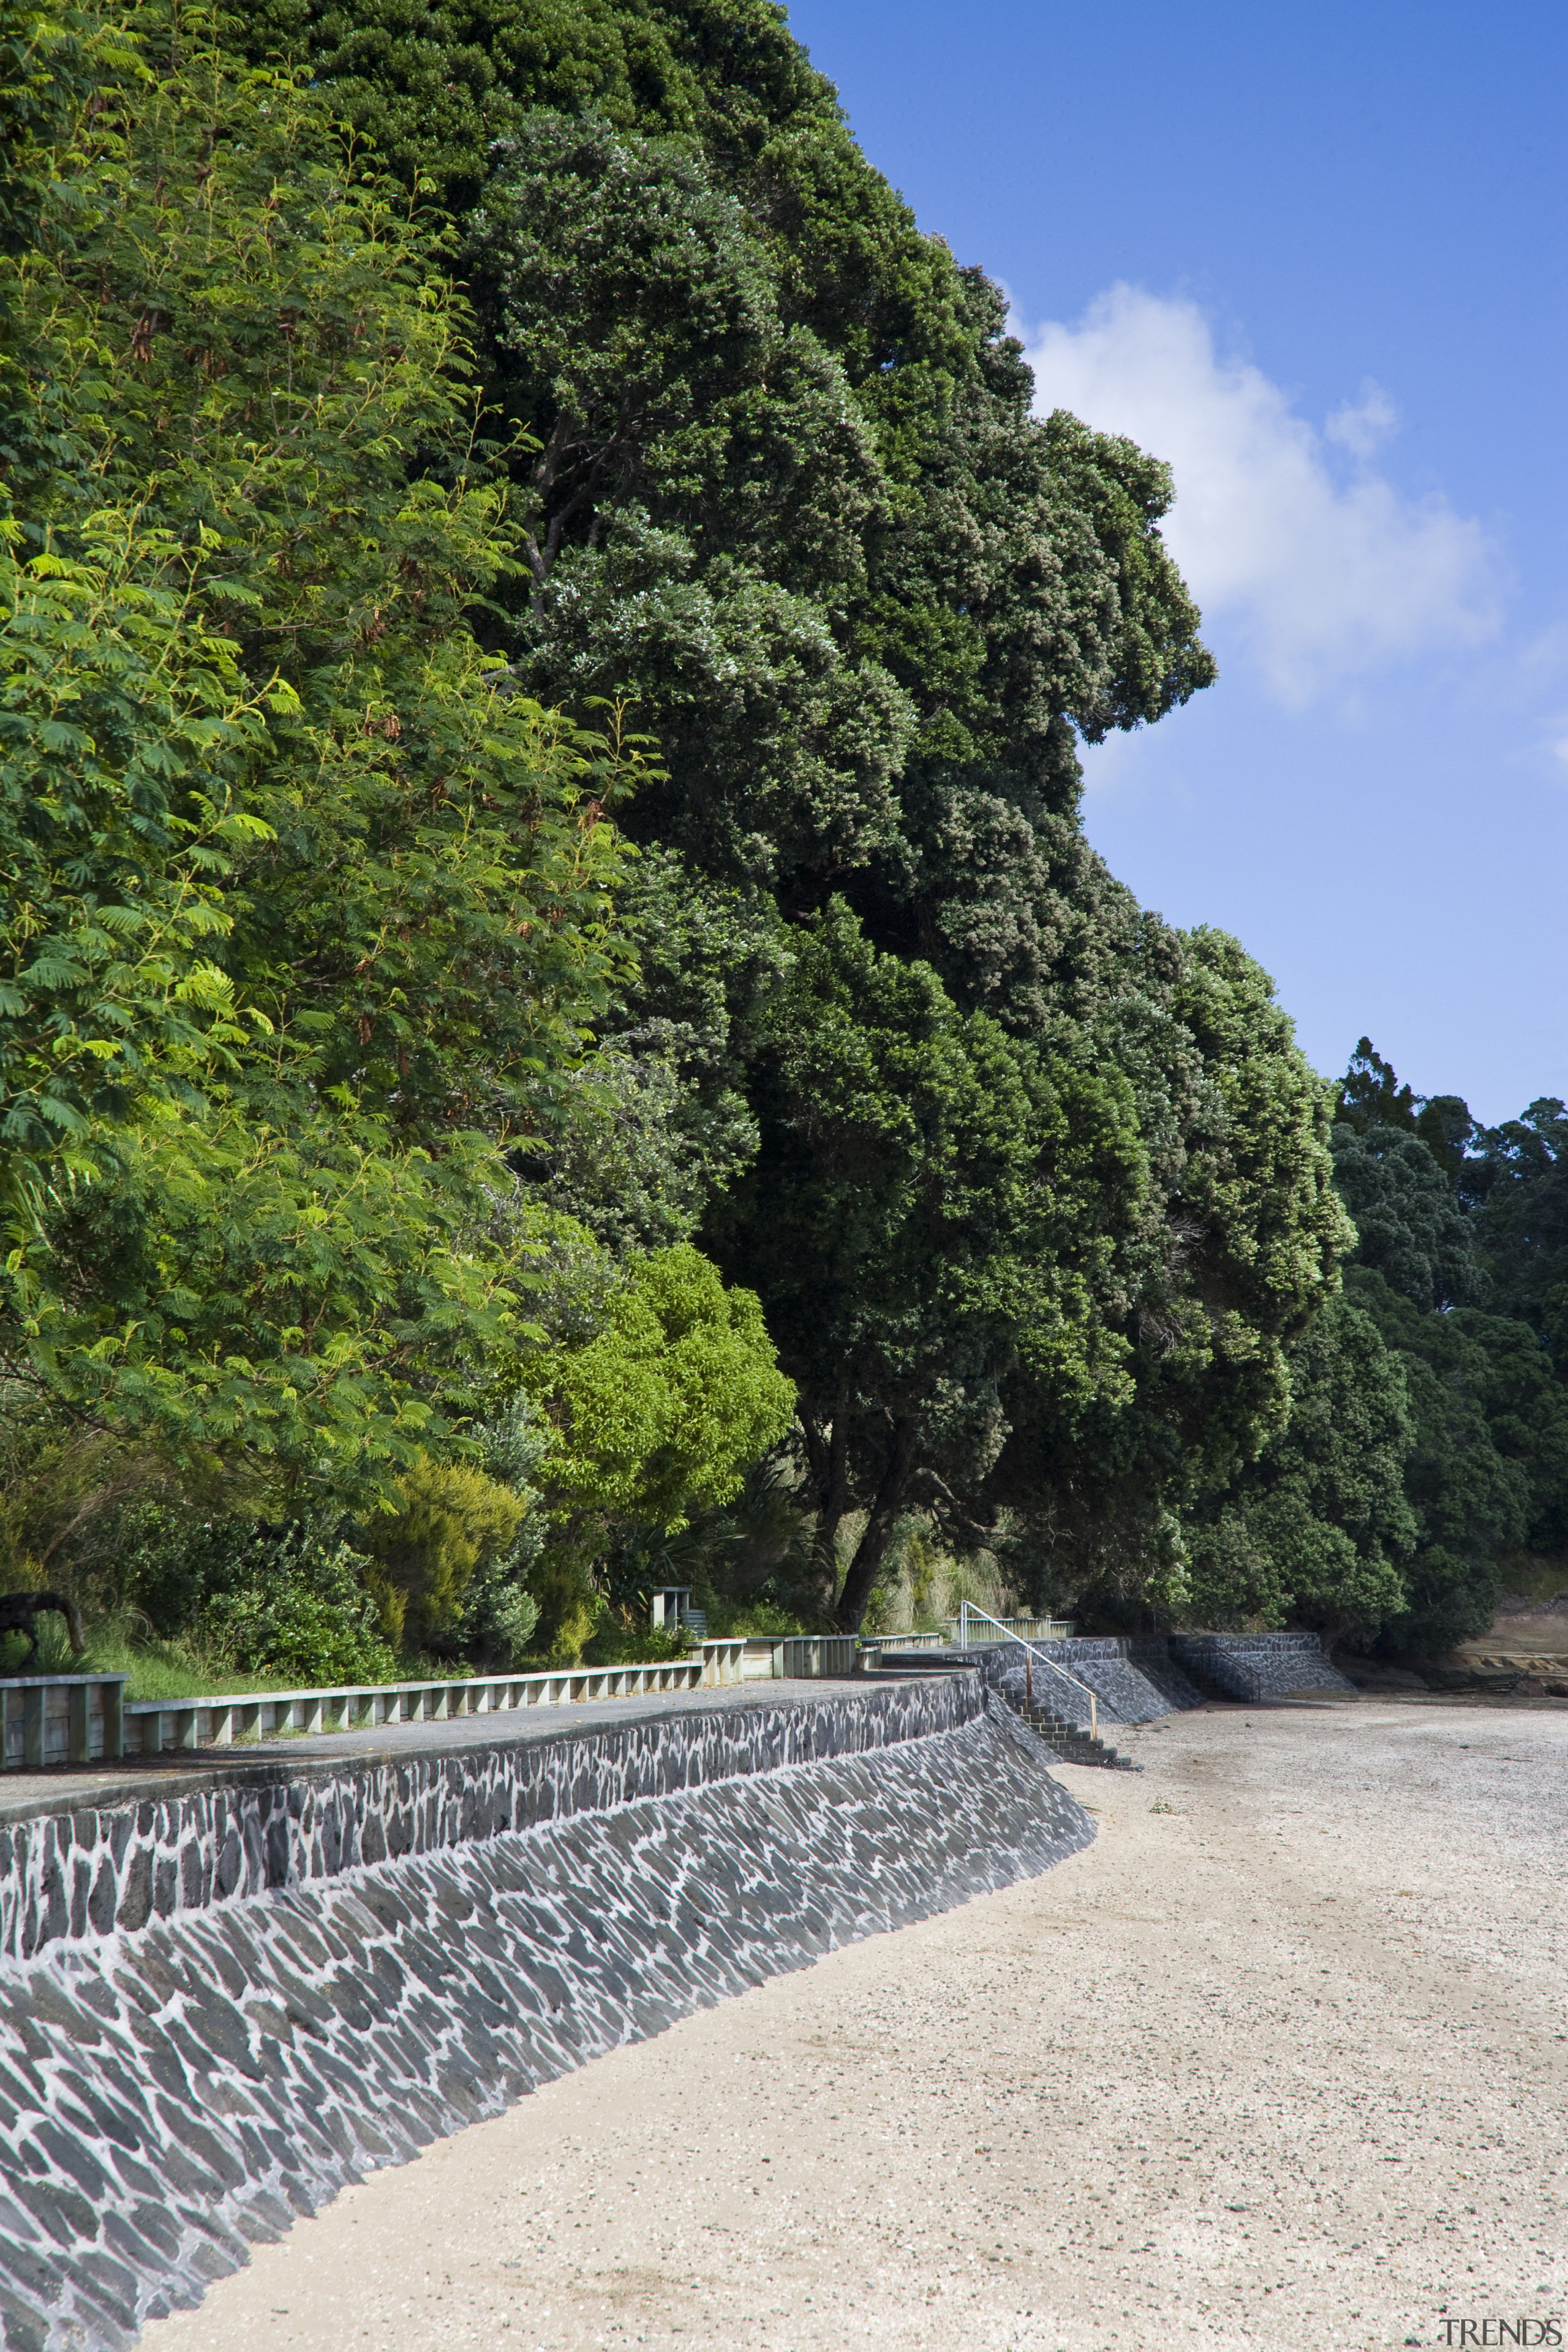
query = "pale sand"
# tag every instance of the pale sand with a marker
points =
(1281, 2066)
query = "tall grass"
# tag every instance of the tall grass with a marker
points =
(185, 1666)
(923, 1582)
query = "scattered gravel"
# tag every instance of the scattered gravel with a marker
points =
(1279, 2060)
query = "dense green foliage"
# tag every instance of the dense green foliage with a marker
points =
(558, 1026)
(783, 486)
(276, 839)
(1437, 1404)
(305, 1619)
(306, 904)
(1317, 1529)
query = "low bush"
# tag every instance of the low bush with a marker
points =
(453, 1522)
(730, 1621)
(635, 1645)
(312, 1623)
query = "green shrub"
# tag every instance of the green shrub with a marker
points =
(729, 1621)
(636, 1645)
(453, 1521)
(163, 1563)
(560, 1584)
(313, 1624)
(498, 1616)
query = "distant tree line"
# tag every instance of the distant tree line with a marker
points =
(1427, 1453)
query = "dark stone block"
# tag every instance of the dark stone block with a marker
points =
(221, 2161)
(156, 2224)
(61, 2213)
(227, 1971)
(220, 2028)
(228, 1874)
(52, 1920)
(102, 1901)
(305, 1942)
(73, 2155)
(114, 2286)
(26, 2329)
(132, 2245)
(265, 2218)
(195, 1875)
(311, 2011)
(79, 1886)
(30, 2266)
(278, 1849)
(51, 2003)
(179, 2172)
(212, 2263)
(136, 1901)
(166, 1884)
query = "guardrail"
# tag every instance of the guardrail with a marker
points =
(154, 1725)
(81, 1718)
(958, 1636)
(963, 1635)
(61, 1719)
(804, 1656)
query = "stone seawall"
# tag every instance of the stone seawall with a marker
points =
(339, 1966)
(1136, 1679)
(1258, 1665)
(75, 1877)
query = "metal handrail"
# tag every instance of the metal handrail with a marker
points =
(967, 1609)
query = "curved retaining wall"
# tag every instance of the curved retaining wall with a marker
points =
(1132, 1677)
(1137, 1677)
(79, 1875)
(1258, 1665)
(169, 2093)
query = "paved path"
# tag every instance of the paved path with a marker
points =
(1278, 2061)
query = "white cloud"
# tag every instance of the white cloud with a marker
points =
(1325, 581)
(1362, 427)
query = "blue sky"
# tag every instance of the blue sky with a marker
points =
(1315, 256)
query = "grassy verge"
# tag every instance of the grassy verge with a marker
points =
(187, 1667)
(181, 1668)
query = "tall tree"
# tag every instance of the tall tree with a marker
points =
(1517, 1178)
(1318, 1530)
(776, 457)
(931, 1209)
(302, 899)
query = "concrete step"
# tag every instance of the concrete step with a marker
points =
(1073, 1744)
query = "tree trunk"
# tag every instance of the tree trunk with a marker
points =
(879, 1526)
(828, 1458)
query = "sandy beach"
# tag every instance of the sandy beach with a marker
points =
(1280, 2060)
